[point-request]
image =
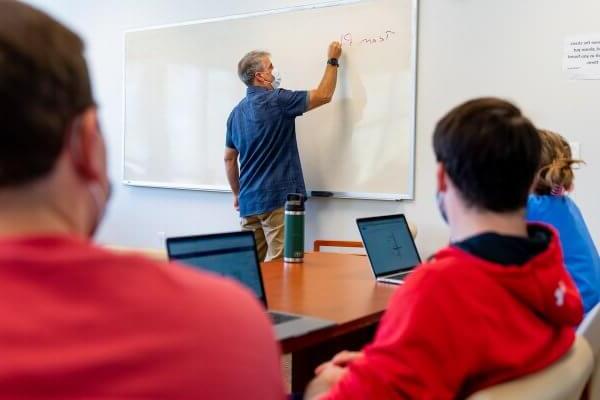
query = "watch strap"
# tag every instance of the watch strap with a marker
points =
(334, 62)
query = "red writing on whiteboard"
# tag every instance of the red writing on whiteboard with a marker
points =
(348, 40)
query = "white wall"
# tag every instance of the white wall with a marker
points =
(509, 48)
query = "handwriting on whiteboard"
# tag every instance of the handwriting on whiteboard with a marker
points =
(348, 40)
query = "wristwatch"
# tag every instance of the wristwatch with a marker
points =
(334, 62)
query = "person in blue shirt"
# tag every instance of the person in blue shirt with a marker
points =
(549, 203)
(261, 133)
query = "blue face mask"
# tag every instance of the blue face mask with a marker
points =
(276, 83)
(441, 205)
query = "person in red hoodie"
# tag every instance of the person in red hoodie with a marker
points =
(497, 303)
(77, 321)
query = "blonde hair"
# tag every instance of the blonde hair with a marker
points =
(556, 165)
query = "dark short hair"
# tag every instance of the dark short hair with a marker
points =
(44, 84)
(490, 151)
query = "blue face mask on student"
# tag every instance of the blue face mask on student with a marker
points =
(441, 205)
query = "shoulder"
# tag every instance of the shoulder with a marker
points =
(184, 288)
(210, 329)
(450, 270)
(445, 261)
(286, 96)
(285, 93)
(560, 211)
(571, 205)
(444, 272)
(541, 207)
(235, 112)
(439, 291)
(535, 201)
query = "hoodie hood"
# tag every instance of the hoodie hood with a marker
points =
(542, 284)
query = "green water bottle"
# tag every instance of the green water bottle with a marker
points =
(293, 248)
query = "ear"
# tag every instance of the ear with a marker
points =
(442, 179)
(258, 77)
(86, 146)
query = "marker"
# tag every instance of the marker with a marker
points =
(321, 193)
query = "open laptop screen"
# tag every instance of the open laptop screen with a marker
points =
(389, 244)
(228, 254)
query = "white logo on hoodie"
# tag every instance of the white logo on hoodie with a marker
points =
(559, 294)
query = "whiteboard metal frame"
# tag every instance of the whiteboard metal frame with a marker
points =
(341, 195)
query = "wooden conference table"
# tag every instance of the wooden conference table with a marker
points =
(336, 287)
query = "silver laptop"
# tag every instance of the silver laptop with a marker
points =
(234, 255)
(390, 247)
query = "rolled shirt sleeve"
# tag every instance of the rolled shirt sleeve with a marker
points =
(293, 103)
(229, 135)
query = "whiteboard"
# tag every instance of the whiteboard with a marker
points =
(181, 84)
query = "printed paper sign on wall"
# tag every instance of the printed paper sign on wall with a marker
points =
(582, 56)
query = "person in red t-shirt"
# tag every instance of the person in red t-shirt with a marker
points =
(497, 303)
(77, 321)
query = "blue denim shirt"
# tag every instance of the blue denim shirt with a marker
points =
(580, 253)
(263, 131)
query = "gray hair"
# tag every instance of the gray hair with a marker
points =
(250, 64)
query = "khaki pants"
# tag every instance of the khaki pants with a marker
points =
(268, 232)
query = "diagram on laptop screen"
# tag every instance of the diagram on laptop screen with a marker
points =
(389, 245)
(395, 246)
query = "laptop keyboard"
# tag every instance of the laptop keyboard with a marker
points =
(278, 318)
(399, 276)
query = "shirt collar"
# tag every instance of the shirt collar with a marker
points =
(255, 89)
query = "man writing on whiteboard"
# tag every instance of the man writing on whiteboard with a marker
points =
(261, 132)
